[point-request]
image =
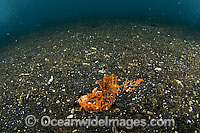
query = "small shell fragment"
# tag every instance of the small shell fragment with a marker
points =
(179, 82)
(70, 116)
(50, 80)
(158, 69)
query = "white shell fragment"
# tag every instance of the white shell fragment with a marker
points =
(70, 116)
(50, 80)
(24, 74)
(158, 69)
(179, 82)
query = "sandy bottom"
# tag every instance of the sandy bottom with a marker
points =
(45, 72)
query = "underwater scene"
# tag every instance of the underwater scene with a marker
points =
(95, 67)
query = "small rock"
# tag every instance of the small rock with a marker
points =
(93, 48)
(149, 113)
(190, 103)
(50, 80)
(101, 71)
(116, 110)
(189, 121)
(70, 116)
(58, 101)
(68, 100)
(158, 69)
(74, 131)
(85, 64)
(46, 59)
(24, 74)
(72, 111)
(190, 109)
(179, 82)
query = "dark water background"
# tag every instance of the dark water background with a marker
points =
(21, 16)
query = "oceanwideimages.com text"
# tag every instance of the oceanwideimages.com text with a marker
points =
(46, 121)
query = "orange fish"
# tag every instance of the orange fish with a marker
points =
(102, 98)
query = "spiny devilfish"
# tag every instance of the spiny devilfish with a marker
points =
(102, 98)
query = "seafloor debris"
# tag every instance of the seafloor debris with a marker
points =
(102, 98)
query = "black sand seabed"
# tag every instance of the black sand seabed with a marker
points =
(73, 57)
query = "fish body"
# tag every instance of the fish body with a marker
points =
(102, 98)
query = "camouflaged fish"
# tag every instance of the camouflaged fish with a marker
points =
(102, 98)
